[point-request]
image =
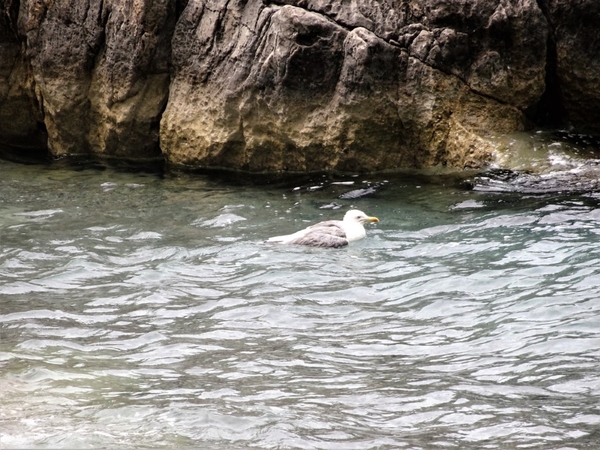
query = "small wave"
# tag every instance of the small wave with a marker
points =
(221, 221)
(39, 213)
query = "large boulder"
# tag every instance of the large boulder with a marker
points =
(301, 94)
(315, 85)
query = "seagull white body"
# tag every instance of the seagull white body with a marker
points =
(331, 233)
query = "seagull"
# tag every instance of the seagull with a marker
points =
(330, 233)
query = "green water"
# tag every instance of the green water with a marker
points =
(140, 311)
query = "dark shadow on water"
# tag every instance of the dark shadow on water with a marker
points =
(25, 155)
(36, 156)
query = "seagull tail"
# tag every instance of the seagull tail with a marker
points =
(278, 239)
(287, 238)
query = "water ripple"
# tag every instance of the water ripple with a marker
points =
(165, 320)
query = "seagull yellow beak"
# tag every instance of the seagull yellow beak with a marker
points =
(371, 219)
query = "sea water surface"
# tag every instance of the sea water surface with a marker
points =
(145, 311)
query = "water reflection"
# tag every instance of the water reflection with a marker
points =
(139, 311)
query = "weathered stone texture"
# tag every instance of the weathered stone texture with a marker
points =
(312, 85)
(297, 85)
(21, 122)
(101, 72)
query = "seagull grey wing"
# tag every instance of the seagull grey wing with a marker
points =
(322, 237)
(332, 227)
(327, 223)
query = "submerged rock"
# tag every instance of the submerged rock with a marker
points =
(541, 163)
(292, 85)
(582, 179)
(359, 193)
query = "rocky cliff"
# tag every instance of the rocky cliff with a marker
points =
(299, 85)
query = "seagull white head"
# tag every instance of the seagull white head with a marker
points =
(354, 215)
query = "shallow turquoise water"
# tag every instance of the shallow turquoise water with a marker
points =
(141, 311)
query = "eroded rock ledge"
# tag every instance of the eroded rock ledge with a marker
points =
(298, 85)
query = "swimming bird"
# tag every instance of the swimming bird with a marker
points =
(330, 233)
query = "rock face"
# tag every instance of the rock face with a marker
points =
(298, 85)
(21, 120)
(576, 43)
(331, 85)
(99, 69)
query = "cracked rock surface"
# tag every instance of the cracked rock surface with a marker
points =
(298, 85)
